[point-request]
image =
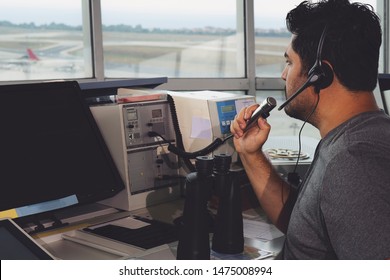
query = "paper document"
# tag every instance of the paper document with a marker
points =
(201, 128)
(127, 222)
(260, 230)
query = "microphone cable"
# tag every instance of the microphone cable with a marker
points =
(207, 150)
(293, 177)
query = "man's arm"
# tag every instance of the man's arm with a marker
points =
(271, 190)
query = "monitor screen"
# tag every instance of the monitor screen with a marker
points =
(51, 150)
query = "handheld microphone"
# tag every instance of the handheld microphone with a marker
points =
(262, 111)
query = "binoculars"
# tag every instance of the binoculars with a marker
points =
(212, 174)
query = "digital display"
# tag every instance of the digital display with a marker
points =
(157, 113)
(132, 115)
(227, 108)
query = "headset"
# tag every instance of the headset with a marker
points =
(320, 74)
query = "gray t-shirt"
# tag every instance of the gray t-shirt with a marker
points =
(343, 207)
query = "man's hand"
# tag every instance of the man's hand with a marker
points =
(252, 140)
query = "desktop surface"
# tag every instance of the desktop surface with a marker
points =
(76, 243)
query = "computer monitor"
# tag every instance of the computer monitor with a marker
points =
(52, 154)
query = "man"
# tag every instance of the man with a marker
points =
(341, 210)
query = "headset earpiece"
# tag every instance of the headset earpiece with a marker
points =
(327, 77)
(321, 76)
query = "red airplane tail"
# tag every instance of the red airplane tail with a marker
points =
(31, 55)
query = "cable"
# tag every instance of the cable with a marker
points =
(179, 137)
(293, 177)
(300, 132)
(180, 152)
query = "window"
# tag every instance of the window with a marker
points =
(173, 38)
(42, 40)
(271, 35)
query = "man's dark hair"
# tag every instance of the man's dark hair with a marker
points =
(352, 41)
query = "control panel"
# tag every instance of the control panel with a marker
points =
(226, 112)
(149, 170)
(141, 118)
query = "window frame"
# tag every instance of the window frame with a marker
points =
(92, 22)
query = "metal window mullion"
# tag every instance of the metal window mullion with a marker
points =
(386, 39)
(97, 39)
(250, 45)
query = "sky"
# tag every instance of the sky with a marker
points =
(149, 13)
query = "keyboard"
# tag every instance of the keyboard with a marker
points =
(155, 234)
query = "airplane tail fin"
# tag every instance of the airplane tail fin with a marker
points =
(31, 55)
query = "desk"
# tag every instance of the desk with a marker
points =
(68, 249)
